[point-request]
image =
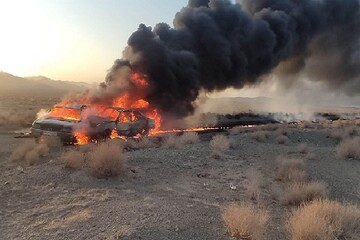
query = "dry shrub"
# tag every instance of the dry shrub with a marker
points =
(297, 193)
(282, 139)
(270, 127)
(310, 156)
(234, 143)
(282, 130)
(303, 148)
(244, 221)
(107, 159)
(189, 138)
(254, 184)
(73, 159)
(307, 125)
(51, 142)
(236, 130)
(324, 220)
(30, 152)
(141, 143)
(171, 141)
(260, 136)
(146, 142)
(290, 170)
(219, 145)
(343, 133)
(349, 148)
(341, 123)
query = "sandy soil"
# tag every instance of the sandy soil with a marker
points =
(163, 193)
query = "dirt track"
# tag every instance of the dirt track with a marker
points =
(163, 194)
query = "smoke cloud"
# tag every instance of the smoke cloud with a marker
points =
(217, 44)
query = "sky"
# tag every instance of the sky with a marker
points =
(75, 40)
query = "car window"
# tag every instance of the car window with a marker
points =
(125, 117)
(129, 116)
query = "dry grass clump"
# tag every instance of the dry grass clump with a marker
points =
(51, 142)
(343, 133)
(219, 145)
(270, 127)
(303, 148)
(73, 159)
(324, 220)
(244, 221)
(307, 125)
(171, 141)
(260, 136)
(349, 148)
(254, 184)
(146, 142)
(341, 123)
(290, 170)
(107, 160)
(282, 139)
(297, 193)
(30, 152)
(141, 143)
(189, 138)
(282, 130)
(236, 130)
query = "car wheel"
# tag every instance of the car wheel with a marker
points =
(106, 134)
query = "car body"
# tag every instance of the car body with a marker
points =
(64, 121)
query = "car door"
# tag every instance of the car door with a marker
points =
(138, 123)
(124, 124)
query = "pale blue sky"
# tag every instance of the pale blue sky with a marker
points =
(73, 39)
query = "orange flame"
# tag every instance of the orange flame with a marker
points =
(81, 138)
(128, 100)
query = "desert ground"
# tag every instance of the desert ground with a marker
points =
(235, 184)
(256, 182)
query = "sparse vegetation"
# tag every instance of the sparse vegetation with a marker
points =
(270, 127)
(254, 184)
(244, 221)
(349, 148)
(236, 130)
(290, 170)
(307, 125)
(303, 148)
(282, 139)
(219, 145)
(171, 141)
(297, 193)
(343, 132)
(30, 152)
(107, 159)
(73, 159)
(324, 220)
(260, 136)
(189, 138)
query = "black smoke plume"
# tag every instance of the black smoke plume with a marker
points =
(218, 44)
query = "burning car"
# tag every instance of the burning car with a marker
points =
(84, 123)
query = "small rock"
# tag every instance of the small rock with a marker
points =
(6, 183)
(232, 187)
(20, 169)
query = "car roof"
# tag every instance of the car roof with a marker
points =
(73, 106)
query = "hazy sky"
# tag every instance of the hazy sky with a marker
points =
(73, 39)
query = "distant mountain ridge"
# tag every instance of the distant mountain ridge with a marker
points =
(39, 85)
